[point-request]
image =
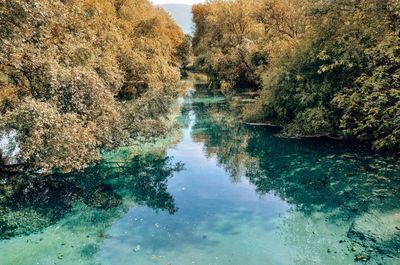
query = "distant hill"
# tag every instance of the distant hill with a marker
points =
(182, 14)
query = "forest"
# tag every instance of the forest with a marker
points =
(78, 77)
(323, 68)
(67, 91)
(270, 131)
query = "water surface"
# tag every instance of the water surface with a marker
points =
(226, 193)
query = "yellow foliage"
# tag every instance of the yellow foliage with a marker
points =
(235, 41)
(85, 61)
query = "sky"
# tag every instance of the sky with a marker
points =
(188, 2)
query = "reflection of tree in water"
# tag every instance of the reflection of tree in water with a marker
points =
(30, 203)
(343, 180)
(308, 173)
(315, 176)
(362, 189)
(144, 179)
(217, 128)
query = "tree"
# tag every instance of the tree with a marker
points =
(321, 85)
(371, 109)
(235, 41)
(59, 62)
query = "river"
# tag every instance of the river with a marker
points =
(223, 193)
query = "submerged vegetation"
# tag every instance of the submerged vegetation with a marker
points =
(323, 67)
(353, 186)
(88, 108)
(316, 200)
(30, 204)
(77, 77)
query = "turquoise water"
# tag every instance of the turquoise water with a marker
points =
(225, 193)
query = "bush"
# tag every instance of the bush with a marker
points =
(371, 109)
(340, 77)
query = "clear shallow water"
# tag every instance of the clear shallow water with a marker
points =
(243, 197)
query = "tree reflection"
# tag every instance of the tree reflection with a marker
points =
(143, 179)
(31, 203)
(217, 128)
(308, 173)
(343, 180)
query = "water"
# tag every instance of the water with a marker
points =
(226, 193)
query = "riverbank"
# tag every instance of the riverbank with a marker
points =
(63, 218)
(215, 190)
(68, 91)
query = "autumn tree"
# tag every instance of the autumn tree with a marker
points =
(235, 41)
(72, 72)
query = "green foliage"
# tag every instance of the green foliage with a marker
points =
(312, 121)
(340, 77)
(371, 110)
(326, 67)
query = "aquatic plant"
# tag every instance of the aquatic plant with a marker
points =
(30, 204)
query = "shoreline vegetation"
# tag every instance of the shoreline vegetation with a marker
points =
(321, 67)
(82, 78)
(79, 77)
